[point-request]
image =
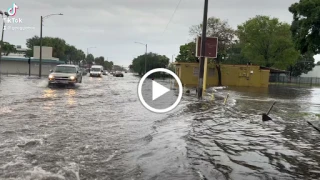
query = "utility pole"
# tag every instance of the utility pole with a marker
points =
(145, 60)
(29, 62)
(203, 50)
(40, 59)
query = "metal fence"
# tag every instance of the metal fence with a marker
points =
(299, 81)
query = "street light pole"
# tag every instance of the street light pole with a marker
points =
(145, 57)
(3, 27)
(88, 50)
(203, 50)
(41, 22)
(88, 53)
(145, 60)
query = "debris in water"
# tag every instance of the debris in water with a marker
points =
(265, 116)
(313, 126)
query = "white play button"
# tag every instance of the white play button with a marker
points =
(158, 96)
(158, 90)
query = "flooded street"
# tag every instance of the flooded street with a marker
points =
(100, 130)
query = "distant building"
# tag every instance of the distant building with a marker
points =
(21, 52)
(46, 53)
(314, 73)
(17, 63)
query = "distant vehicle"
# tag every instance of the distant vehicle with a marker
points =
(65, 74)
(118, 74)
(105, 72)
(96, 71)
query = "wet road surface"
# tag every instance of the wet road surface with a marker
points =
(100, 130)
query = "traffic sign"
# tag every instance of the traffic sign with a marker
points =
(211, 47)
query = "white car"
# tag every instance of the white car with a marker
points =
(65, 74)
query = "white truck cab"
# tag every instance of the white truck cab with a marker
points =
(96, 71)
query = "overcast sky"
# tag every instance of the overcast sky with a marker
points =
(112, 26)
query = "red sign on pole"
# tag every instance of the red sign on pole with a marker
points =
(211, 47)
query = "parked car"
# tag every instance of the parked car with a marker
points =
(118, 74)
(96, 71)
(65, 74)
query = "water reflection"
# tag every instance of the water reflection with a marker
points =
(71, 93)
(272, 92)
(49, 93)
(315, 101)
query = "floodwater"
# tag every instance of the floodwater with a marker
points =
(100, 130)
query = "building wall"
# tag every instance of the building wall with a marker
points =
(22, 67)
(46, 52)
(231, 75)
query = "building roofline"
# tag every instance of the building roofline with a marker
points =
(8, 58)
(274, 70)
(196, 63)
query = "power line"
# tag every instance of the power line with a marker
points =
(172, 16)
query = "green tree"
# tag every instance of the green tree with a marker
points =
(130, 67)
(58, 45)
(225, 34)
(90, 59)
(108, 65)
(99, 60)
(73, 55)
(80, 56)
(217, 28)
(172, 67)
(304, 64)
(61, 49)
(153, 61)
(70, 54)
(8, 48)
(234, 55)
(187, 53)
(305, 26)
(267, 42)
(31, 42)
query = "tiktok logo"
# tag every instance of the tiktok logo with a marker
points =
(13, 10)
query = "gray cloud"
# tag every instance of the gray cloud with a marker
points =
(113, 25)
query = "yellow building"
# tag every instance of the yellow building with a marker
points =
(231, 75)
